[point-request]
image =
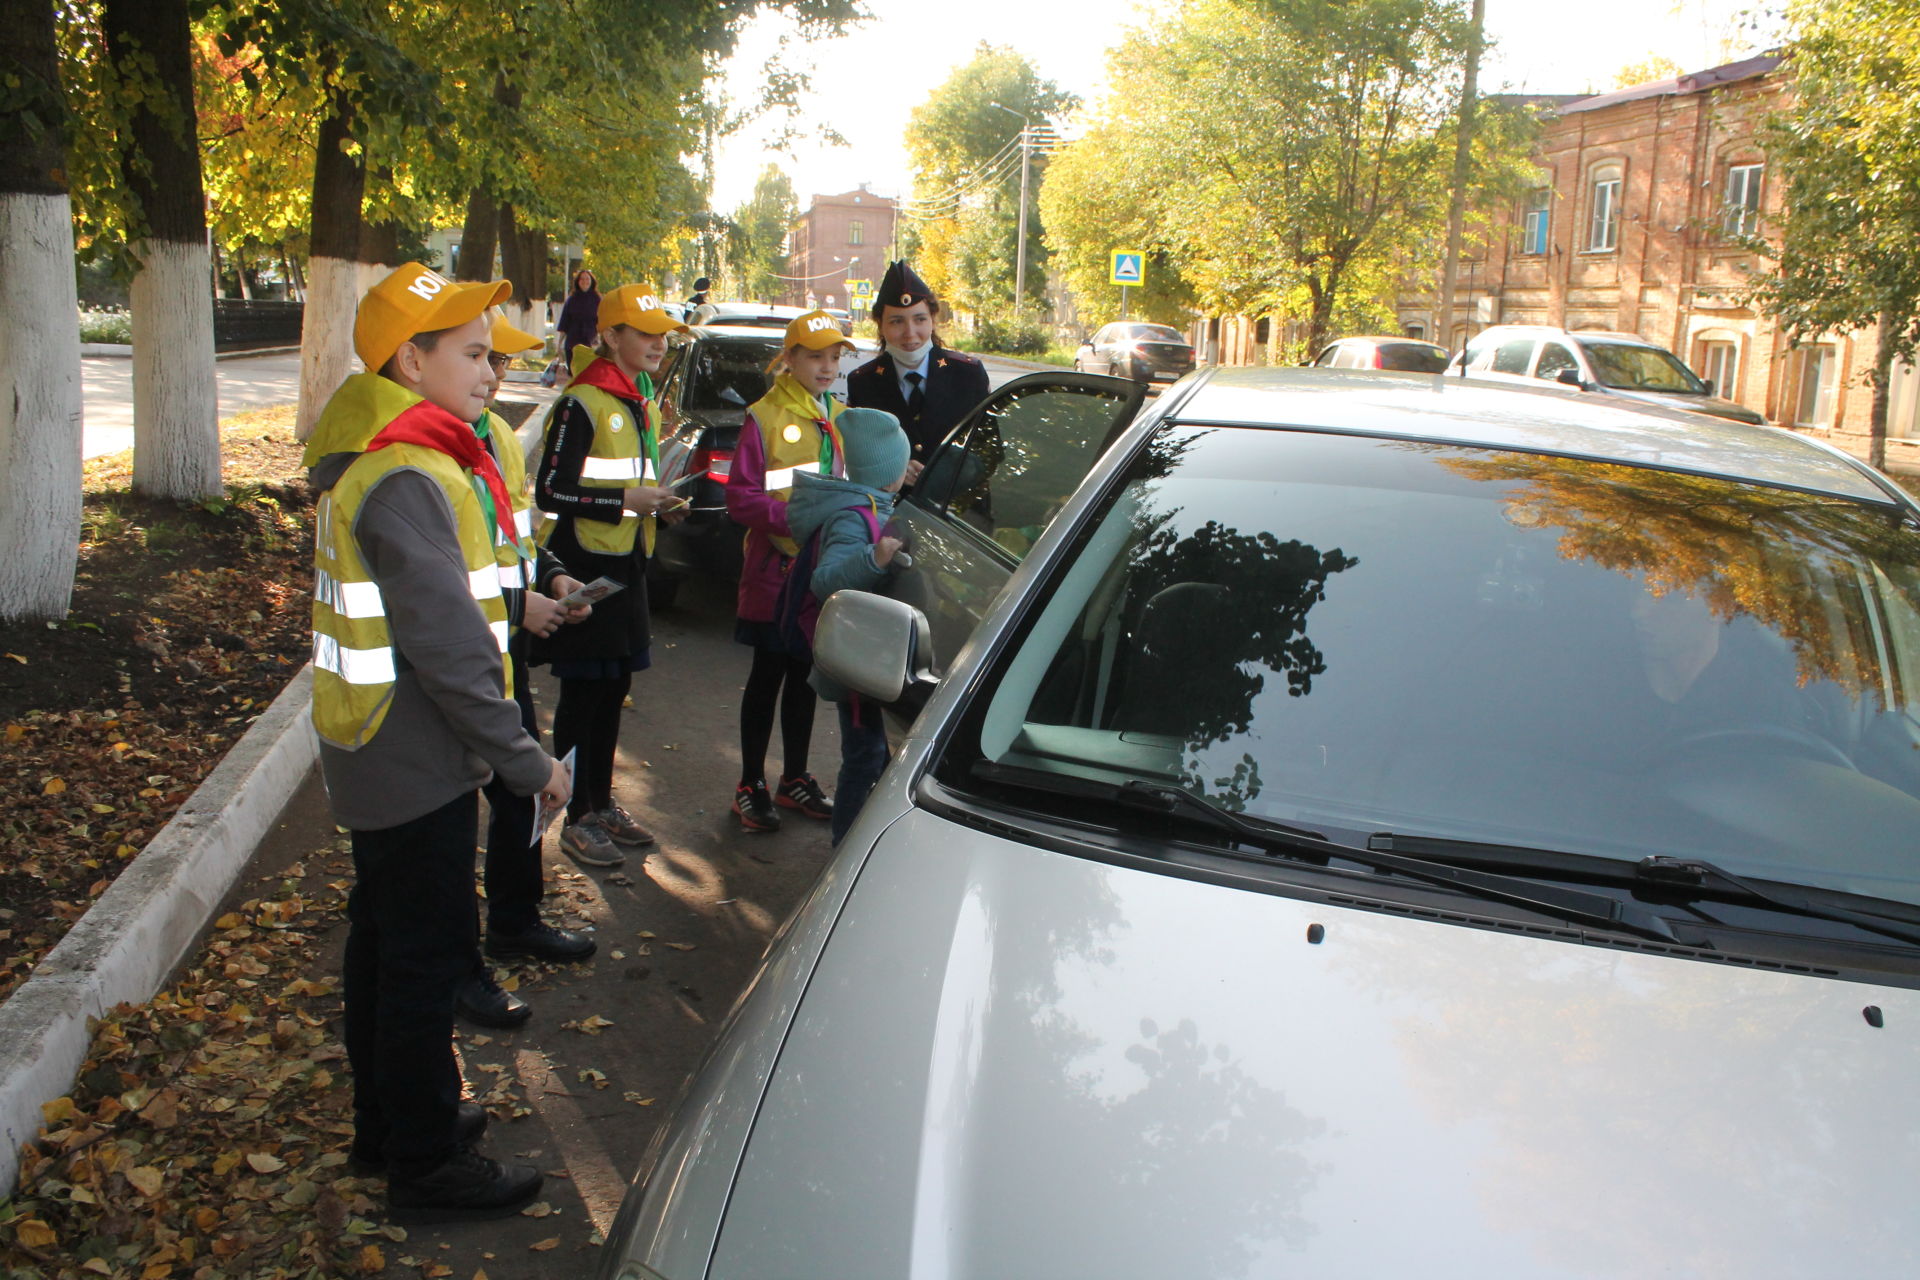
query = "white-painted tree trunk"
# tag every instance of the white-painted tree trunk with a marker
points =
(39, 407)
(326, 335)
(176, 411)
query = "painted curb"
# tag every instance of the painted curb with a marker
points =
(127, 944)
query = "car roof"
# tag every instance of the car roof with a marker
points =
(1386, 337)
(761, 333)
(1577, 335)
(1445, 408)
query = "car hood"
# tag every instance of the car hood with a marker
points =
(1714, 405)
(1014, 1062)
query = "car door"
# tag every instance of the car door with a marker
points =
(994, 485)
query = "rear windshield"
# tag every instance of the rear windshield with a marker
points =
(727, 375)
(1412, 357)
(1361, 635)
(1156, 333)
(1634, 368)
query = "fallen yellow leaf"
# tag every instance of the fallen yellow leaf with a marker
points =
(371, 1259)
(56, 1111)
(147, 1180)
(35, 1234)
(551, 1242)
(54, 787)
(15, 732)
(17, 658)
(261, 1162)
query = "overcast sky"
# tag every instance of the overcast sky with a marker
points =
(866, 82)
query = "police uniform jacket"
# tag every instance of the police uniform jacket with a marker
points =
(956, 382)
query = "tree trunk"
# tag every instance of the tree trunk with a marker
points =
(479, 237)
(40, 358)
(1462, 166)
(1882, 387)
(516, 252)
(176, 419)
(333, 269)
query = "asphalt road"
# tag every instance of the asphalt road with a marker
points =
(710, 895)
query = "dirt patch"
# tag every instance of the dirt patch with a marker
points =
(187, 620)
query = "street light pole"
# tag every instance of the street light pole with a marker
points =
(1020, 244)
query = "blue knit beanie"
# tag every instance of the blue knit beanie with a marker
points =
(876, 448)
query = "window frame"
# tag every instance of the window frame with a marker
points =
(1536, 223)
(1822, 357)
(1603, 217)
(1752, 177)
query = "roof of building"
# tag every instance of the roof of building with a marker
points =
(1692, 82)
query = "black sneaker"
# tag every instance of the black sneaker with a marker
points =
(486, 1003)
(469, 1122)
(542, 942)
(466, 1187)
(755, 807)
(802, 792)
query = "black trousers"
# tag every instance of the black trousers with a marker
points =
(513, 879)
(410, 942)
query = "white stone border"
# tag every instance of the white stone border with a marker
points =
(129, 941)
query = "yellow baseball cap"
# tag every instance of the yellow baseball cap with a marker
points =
(816, 331)
(636, 306)
(509, 341)
(413, 299)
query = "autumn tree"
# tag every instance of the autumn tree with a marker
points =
(765, 220)
(964, 144)
(39, 359)
(1846, 153)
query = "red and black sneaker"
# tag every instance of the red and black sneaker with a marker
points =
(755, 807)
(802, 792)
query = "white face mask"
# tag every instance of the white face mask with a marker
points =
(904, 359)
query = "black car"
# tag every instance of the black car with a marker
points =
(1407, 355)
(1143, 352)
(711, 377)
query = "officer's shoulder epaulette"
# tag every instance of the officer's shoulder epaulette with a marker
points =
(961, 357)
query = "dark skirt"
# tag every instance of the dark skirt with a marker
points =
(617, 638)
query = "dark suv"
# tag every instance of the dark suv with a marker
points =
(1143, 352)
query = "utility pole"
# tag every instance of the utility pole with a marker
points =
(1020, 245)
(1462, 160)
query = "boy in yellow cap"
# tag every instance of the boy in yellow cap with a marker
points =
(411, 704)
(788, 430)
(599, 483)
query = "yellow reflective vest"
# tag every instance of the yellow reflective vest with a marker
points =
(354, 661)
(791, 441)
(516, 553)
(623, 453)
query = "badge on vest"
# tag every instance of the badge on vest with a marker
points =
(615, 421)
(790, 433)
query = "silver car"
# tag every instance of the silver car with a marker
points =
(1606, 364)
(1386, 825)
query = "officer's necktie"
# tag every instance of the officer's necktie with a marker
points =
(917, 396)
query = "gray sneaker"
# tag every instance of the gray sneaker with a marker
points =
(621, 828)
(586, 843)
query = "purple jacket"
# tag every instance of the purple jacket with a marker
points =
(765, 516)
(579, 322)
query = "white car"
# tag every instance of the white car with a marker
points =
(1385, 825)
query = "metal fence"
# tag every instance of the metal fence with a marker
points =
(240, 325)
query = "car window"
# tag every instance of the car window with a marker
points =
(1513, 355)
(1156, 333)
(1412, 357)
(1017, 465)
(1327, 356)
(1104, 336)
(1611, 660)
(1554, 357)
(1476, 353)
(1637, 368)
(722, 376)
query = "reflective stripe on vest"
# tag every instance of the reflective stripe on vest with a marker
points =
(355, 666)
(619, 456)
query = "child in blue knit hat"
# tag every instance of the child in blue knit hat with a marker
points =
(852, 554)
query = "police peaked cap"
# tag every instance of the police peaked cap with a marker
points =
(902, 287)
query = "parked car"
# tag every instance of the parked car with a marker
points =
(1381, 819)
(712, 375)
(1410, 355)
(759, 315)
(1612, 364)
(1143, 352)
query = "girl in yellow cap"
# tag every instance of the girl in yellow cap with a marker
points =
(598, 483)
(789, 429)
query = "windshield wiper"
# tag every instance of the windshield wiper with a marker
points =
(1696, 878)
(1576, 906)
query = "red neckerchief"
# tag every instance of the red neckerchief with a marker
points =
(429, 425)
(608, 376)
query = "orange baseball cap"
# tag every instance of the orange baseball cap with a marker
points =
(816, 330)
(510, 341)
(638, 307)
(413, 299)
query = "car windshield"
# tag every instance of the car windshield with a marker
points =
(1635, 368)
(1155, 333)
(1412, 357)
(723, 378)
(1359, 635)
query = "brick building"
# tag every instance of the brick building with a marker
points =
(838, 238)
(1631, 229)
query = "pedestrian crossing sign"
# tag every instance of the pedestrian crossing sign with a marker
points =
(1129, 266)
(859, 291)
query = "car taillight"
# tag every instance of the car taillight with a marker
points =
(717, 463)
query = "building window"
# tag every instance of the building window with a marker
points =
(856, 233)
(1720, 365)
(1535, 221)
(1603, 211)
(1903, 401)
(1740, 215)
(1812, 386)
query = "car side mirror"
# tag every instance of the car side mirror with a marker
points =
(1710, 389)
(874, 646)
(1570, 378)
